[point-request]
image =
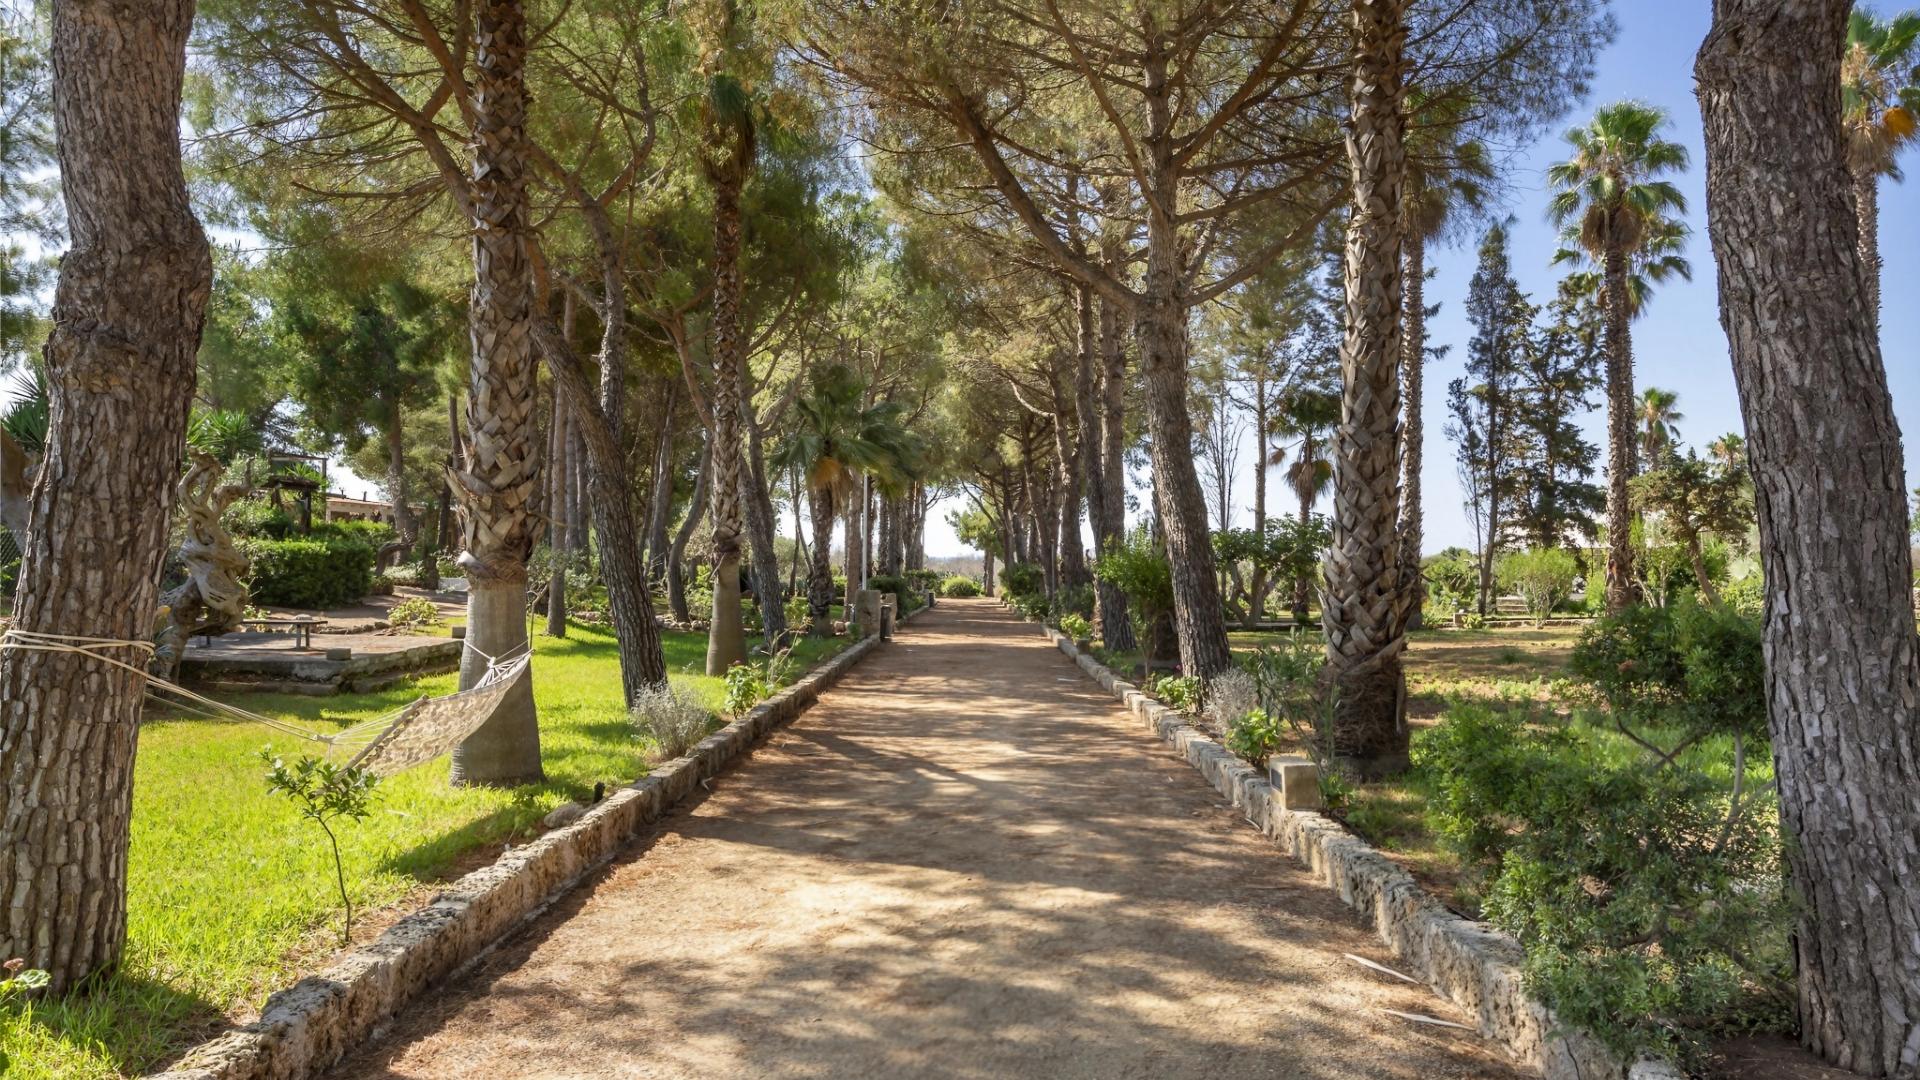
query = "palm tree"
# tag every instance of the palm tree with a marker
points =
(1659, 259)
(839, 437)
(1446, 173)
(1308, 417)
(1659, 422)
(1730, 450)
(497, 486)
(1880, 99)
(727, 158)
(1612, 188)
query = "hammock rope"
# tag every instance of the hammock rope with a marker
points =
(411, 735)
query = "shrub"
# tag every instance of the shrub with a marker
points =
(1287, 692)
(923, 580)
(251, 518)
(1022, 579)
(309, 572)
(1543, 577)
(1649, 901)
(1178, 691)
(1031, 606)
(1140, 569)
(746, 685)
(1076, 627)
(413, 613)
(670, 719)
(1452, 574)
(1253, 737)
(960, 588)
(1692, 667)
(1074, 599)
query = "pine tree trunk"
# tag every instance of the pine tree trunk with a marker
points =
(1843, 662)
(127, 315)
(403, 521)
(1866, 202)
(854, 538)
(498, 484)
(726, 638)
(761, 528)
(677, 556)
(1621, 450)
(1413, 363)
(558, 483)
(1364, 605)
(660, 513)
(1110, 527)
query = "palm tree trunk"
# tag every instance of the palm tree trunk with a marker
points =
(820, 575)
(1842, 660)
(1621, 464)
(1364, 604)
(127, 316)
(726, 639)
(1413, 357)
(497, 486)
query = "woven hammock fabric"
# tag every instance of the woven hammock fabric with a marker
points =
(432, 726)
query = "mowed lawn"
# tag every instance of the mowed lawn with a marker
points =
(231, 895)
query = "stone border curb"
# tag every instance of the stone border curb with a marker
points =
(310, 1026)
(1469, 963)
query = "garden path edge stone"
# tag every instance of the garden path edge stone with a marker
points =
(309, 1026)
(1469, 963)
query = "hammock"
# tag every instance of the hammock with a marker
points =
(411, 735)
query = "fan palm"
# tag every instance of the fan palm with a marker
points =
(1659, 260)
(838, 439)
(1447, 173)
(1659, 420)
(1730, 450)
(1880, 101)
(1611, 193)
(1306, 417)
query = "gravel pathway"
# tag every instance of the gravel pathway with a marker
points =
(964, 862)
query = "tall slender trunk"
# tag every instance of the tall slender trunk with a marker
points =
(1843, 662)
(498, 484)
(1364, 605)
(760, 531)
(558, 484)
(854, 537)
(1413, 364)
(677, 556)
(820, 570)
(660, 514)
(1866, 205)
(403, 520)
(1620, 441)
(127, 316)
(1110, 527)
(726, 639)
(1161, 323)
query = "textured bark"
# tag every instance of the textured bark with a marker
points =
(1110, 525)
(1866, 208)
(677, 557)
(559, 482)
(726, 639)
(660, 513)
(820, 570)
(1843, 671)
(500, 480)
(403, 520)
(1413, 363)
(1364, 605)
(760, 529)
(1621, 446)
(127, 315)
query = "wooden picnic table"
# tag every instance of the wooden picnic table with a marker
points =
(301, 626)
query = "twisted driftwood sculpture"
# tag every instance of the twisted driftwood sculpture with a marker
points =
(213, 599)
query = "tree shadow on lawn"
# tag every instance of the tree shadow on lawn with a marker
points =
(126, 1021)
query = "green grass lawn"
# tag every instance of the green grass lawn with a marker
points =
(230, 895)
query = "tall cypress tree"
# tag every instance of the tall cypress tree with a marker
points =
(1482, 404)
(1555, 497)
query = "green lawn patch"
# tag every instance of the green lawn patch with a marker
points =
(230, 894)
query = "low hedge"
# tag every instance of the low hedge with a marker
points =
(310, 572)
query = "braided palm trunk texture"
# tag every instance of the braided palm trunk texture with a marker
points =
(497, 486)
(1363, 604)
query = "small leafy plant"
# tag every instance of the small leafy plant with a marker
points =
(1178, 691)
(325, 793)
(745, 687)
(413, 613)
(1076, 627)
(1254, 736)
(20, 980)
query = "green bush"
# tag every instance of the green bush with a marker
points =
(1076, 626)
(1031, 606)
(1022, 579)
(923, 579)
(1693, 668)
(960, 588)
(1452, 574)
(309, 572)
(1140, 569)
(413, 613)
(889, 583)
(1075, 599)
(1543, 577)
(251, 518)
(1178, 691)
(1254, 736)
(1650, 901)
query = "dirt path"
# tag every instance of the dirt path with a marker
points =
(963, 862)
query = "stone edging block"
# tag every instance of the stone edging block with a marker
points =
(1469, 963)
(313, 1024)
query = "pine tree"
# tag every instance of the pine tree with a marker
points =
(1560, 368)
(1484, 402)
